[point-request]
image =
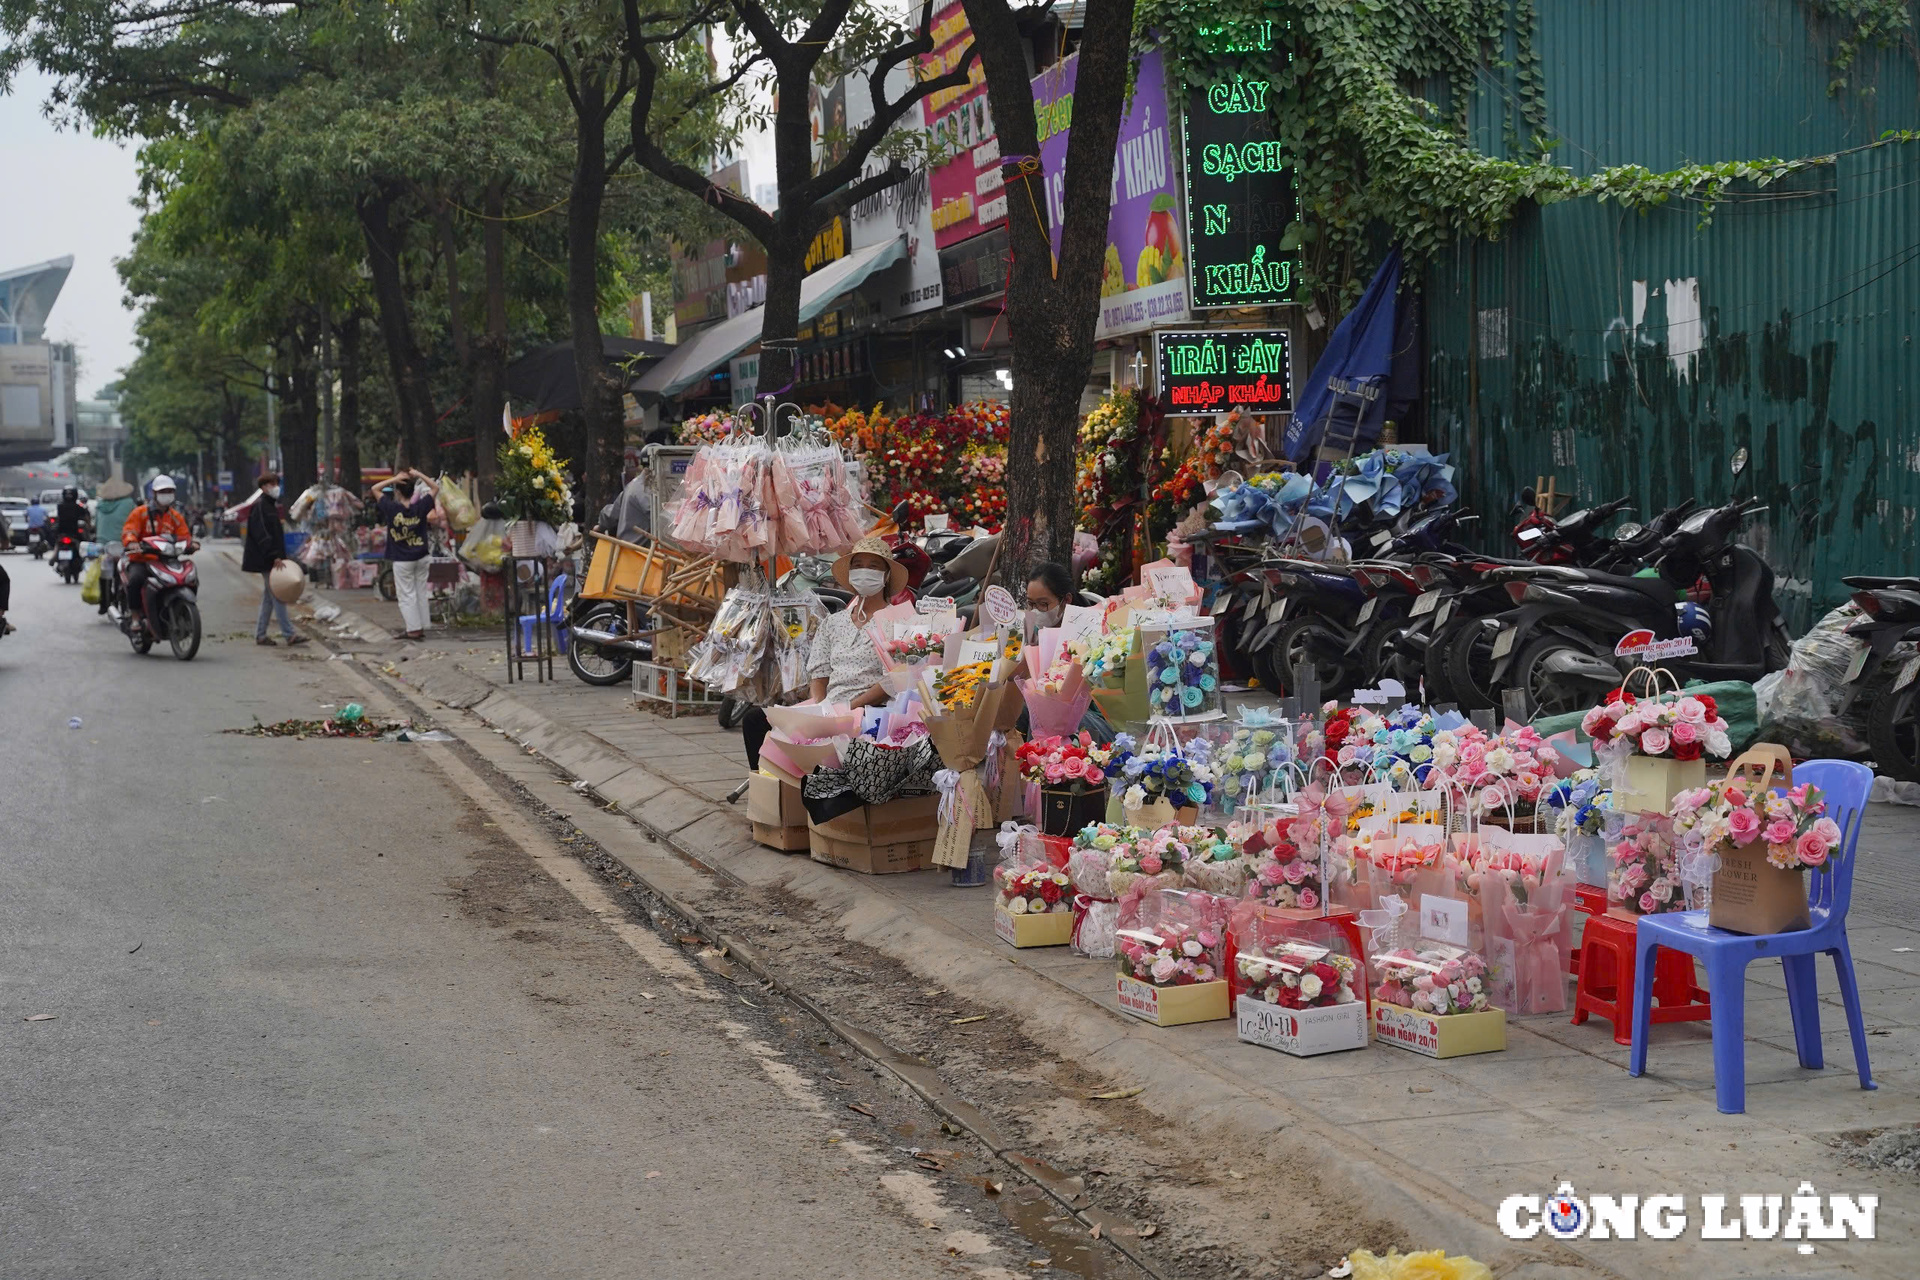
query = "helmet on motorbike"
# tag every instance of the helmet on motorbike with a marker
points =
(163, 490)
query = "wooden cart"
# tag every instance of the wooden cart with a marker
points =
(680, 593)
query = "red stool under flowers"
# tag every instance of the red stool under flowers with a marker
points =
(1592, 899)
(1606, 979)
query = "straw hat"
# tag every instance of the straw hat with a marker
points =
(896, 572)
(116, 488)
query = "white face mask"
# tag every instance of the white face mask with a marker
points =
(868, 582)
(272, 491)
(164, 497)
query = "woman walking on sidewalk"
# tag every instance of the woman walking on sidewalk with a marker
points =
(405, 509)
(266, 547)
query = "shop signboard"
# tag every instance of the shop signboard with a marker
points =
(1219, 370)
(904, 209)
(966, 187)
(1144, 277)
(976, 270)
(1242, 203)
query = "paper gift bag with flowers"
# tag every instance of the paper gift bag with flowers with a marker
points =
(1656, 745)
(1162, 780)
(1643, 864)
(1765, 842)
(1172, 957)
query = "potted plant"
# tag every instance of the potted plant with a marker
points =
(532, 489)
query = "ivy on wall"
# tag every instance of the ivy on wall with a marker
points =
(1344, 76)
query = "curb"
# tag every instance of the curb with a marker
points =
(1431, 1210)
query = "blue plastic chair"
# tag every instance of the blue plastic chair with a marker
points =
(1844, 786)
(556, 613)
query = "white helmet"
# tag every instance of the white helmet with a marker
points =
(163, 484)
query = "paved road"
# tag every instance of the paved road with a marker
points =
(318, 1013)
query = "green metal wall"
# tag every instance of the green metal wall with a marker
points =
(1633, 354)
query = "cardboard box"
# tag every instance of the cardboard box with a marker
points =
(774, 803)
(1653, 781)
(1054, 929)
(870, 859)
(1172, 1006)
(1751, 895)
(1440, 1036)
(786, 839)
(1302, 1032)
(914, 818)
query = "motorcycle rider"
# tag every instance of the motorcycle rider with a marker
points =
(70, 519)
(37, 519)
(158, 519)
(110, 513)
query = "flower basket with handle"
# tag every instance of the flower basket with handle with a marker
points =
(1764, 842)
(1658, 743)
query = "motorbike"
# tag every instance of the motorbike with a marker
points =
(1564, 647)
(176, 607)
(67, 559)
(37, 541)
(1885, 671)
(600, 647)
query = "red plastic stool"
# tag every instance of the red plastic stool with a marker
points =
(1606, 979)
(1592, 899)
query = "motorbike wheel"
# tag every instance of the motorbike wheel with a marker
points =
(1433, 666)
(1290, 649)
(1469, 673)
(1893, 731)
(183, 628)
(140, 638)
(1549, 693)
(590, 662)
(384, 582)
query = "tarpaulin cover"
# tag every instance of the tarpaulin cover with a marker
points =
(1377, 345)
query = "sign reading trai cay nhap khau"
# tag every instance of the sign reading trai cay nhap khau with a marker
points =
(1218, 370)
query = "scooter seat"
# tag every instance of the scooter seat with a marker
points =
(1869, 582)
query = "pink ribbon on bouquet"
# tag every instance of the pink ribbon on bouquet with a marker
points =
(1539, 974)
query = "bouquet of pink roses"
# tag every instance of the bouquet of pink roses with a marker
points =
(1078, 763)
(1643, 867)
(1793, 825)
(1685, 728)
(1158, 853)
(1439, 980)
(1176, 939)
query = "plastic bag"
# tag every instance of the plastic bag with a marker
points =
(1800, 706)
(459, 508)
(90, 583)
(485, 546)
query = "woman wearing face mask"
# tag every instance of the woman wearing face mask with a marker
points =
(845, 668)
(266, 546)
(1049, 590)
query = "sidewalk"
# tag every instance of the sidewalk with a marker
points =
(1431, 1146)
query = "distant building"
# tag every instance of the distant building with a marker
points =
(38, 413)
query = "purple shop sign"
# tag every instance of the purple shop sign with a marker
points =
(1144, 274)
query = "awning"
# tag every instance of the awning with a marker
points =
(701, 354)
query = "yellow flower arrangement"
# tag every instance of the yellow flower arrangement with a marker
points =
(533, 483)
(958, 688)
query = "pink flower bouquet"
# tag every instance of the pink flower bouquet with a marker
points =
(1153, 854)
(1439, 980)
(1177, 938)
(1685, 728)
(1793, 825)
(1643, 867)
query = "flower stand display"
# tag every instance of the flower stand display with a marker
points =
(1434, 1001)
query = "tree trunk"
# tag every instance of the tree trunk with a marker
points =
(600, 406)
(490, 346)
(1051, 318)
(300, 420)
(780, 322)
(405, 363)
(349, 340)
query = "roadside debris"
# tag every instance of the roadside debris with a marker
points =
(40, 1017)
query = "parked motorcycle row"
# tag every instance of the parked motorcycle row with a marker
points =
(1555, 626)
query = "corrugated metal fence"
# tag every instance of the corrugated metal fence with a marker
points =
(1634, 354)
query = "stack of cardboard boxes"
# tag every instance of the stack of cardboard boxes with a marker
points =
(877, 839)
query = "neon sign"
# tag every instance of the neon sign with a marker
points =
(1216, 370)
(1241, 198)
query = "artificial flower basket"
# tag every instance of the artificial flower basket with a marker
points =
(1662, 741)
(1065, 810)
(532, 488)
(1759, 885)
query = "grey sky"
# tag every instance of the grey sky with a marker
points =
(68, 193)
